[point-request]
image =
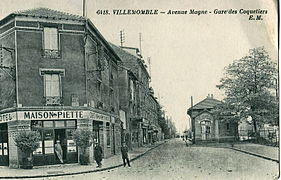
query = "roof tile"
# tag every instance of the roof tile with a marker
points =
(49, 13)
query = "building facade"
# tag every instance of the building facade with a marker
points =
(154, 132)
(205, 126)
(128, 104)
(144, 122)
(58, 74)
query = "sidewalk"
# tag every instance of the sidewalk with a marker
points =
(71, 169)
(259, 150)
(262, 151)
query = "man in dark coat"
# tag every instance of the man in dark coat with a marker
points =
(125, 157)
(98, 154)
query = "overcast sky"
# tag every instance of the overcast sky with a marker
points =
(188, 52)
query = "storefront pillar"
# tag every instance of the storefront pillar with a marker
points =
(104, 139)
(15, 158)
(140, 135)
(117, 130)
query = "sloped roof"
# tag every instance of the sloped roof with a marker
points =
(126, 57)
(49, 13)
(207, 103)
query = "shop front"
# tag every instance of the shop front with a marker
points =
(56, 126)
(51, 132)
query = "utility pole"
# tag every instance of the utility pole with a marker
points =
(84, 8)
(149, 66)
(140, 43)
(192, 121)
(122, 37)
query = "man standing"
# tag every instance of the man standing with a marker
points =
(125, 157)
(98, 154)
(59, 151)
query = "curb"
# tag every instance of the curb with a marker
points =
(83, 172)
(254, 154)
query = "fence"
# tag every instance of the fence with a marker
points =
(264, 136)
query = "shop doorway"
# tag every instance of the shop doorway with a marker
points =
(60, 135)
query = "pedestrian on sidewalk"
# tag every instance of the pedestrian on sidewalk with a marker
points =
(98, 154)
(125, 157)
(58, 150)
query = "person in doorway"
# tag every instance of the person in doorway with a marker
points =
(59, 151)
(98, 154)
(125, 157)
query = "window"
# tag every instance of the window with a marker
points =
(50, 38)
(99, 89)
(107, 134)
(111, 97)
(227, 126)
(51, 43)
(52, 85)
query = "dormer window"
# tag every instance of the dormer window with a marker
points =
(51, 42)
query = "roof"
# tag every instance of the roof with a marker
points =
(127, 56)
(207, 103)
(58, 15)
(49, 13)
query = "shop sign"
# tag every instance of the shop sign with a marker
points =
(98, 117)
(7, 117)
(50, 115)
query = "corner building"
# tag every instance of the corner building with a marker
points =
(57, 74)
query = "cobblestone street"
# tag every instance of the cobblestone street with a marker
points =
(173, 160)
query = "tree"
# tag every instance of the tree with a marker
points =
(83, 139)
(249, 84)
(27, 141)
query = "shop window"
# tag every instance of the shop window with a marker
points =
(51, 43)
(36, 124)
(39, 150)
(48, 124)
(59, 124)
(71, 147)
(48, 141)
(108, 134)
(70, 123)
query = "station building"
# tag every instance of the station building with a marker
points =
(206, 126)
(57, 74)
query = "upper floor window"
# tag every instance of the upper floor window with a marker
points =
(50, 38)
(52, 86)
(51, 43)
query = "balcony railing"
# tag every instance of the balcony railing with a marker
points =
(51, 53)
(53, 100)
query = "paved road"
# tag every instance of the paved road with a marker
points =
(174, 160)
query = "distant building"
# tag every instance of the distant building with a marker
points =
(204, 124)
(144, 123)
(127, 83)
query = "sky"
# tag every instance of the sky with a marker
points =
(188, 52)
